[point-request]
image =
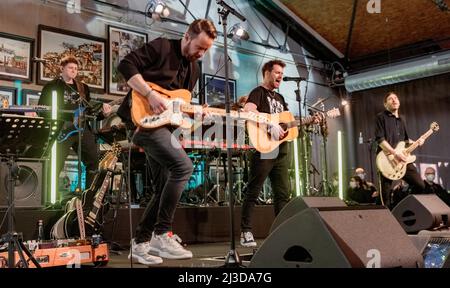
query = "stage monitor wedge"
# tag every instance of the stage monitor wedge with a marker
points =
(298, 204)
(421, 212)
(340, 238)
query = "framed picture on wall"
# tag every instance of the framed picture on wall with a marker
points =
(30, 97)
(15, 60)
(54, 44)
(215, 89)
(121, 42)
(7, 94)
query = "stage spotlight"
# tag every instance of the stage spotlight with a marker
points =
(238, 33)
(157, 9)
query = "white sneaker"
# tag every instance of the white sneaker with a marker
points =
(247, 239)
(168, 246)
(140, 254)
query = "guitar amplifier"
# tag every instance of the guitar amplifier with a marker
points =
(28, 186)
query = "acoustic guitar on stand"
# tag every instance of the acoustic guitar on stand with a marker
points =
(394, 170)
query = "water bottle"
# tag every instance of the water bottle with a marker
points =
(360, 139)
(40, 230)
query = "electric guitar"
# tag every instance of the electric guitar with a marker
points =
(72, 128)
(178, 110)
(394, 170)
(176, 102)
(68, 226)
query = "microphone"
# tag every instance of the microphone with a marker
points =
(230, 9)
(297, 79)
(38, 60)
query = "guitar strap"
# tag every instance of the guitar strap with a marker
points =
(80, 88)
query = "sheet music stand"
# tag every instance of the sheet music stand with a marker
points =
(22, 137)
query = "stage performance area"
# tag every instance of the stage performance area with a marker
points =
(224, 134)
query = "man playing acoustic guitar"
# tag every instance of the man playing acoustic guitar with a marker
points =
(172, 65)
(390, 129)
(274, 165)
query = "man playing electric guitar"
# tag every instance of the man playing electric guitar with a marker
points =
(69, 91)
(171, 64)
(390, 129)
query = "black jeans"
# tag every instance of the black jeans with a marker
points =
(170, 168)
(278, 171)
(89, 153)
(411, 177)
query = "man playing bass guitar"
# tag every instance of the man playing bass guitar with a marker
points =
(69, 92)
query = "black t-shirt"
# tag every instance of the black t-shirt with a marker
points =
(67, 97)
(267, 101)
(390, 128)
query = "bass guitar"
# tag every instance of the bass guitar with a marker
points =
(394, 170)
(68, 225)
(73, 127)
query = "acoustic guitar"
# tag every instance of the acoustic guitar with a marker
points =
(394, 170)
(178, 107)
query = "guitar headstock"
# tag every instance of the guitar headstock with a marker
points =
(333, 113)
(116, 149)
(434, 126)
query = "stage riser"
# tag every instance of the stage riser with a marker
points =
(192, 224)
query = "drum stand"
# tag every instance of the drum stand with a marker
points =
(217, 188)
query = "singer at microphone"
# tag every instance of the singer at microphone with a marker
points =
(297, 79)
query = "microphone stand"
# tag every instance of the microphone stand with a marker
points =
(303, 169)
(324, 132)
(232, 260)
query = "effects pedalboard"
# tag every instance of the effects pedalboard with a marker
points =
(65, 252)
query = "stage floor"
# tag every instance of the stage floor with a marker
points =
(205, 255)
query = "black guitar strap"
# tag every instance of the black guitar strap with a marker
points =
(80, 88)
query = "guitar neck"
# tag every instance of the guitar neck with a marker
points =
(101, 194)
(413, 146)
(256, 117)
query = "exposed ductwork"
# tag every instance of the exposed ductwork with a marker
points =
(431, 65)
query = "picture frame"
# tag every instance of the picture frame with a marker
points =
(54, 44)
(30, 97)
(17, 54)
(121, 42)
(215, 90)
(9, 93)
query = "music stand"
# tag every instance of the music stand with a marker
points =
(22, 137)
